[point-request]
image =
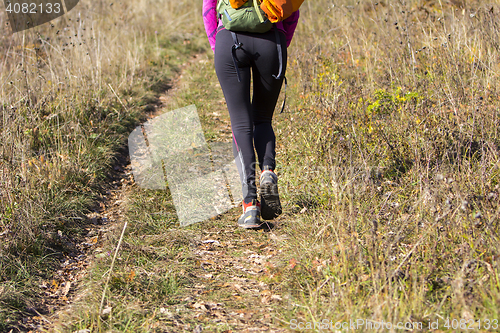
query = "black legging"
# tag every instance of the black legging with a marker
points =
(251, 119)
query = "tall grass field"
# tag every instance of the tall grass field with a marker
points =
(70, 93)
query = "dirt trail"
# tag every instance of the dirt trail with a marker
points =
(229, 288)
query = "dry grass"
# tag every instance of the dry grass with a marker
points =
(388, 167)
(392, 146)
(71, 91)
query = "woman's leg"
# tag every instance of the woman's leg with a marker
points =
(250, 121)
(266, 90)
(237, 95)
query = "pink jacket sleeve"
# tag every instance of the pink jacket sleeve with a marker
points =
(288, 26)
(210, 20)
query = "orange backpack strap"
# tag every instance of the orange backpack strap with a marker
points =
(237, 3)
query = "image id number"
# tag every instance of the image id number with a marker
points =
(33, 8)
(471, 324)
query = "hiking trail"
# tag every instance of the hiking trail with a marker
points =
(230, 285)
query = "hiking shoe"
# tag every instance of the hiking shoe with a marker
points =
(251, 215)
(269, 197)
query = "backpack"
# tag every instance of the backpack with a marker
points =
(278, 10)
(241, 15)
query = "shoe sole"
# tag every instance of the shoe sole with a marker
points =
(250, 226)
(270, 201)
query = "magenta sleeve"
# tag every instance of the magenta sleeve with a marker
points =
(289, 26)
(210, 20)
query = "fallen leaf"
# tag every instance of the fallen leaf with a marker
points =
(65, 289)
(106, 310)
(211, 241)
(292, 263)
(54, 285)
(198, 305)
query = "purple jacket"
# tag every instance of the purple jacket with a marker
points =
(210, 20)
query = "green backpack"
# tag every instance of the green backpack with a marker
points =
(249, 17)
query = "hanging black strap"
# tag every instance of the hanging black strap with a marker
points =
(280, 70)
(280, 54)
(284, 100)
(235, 47)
